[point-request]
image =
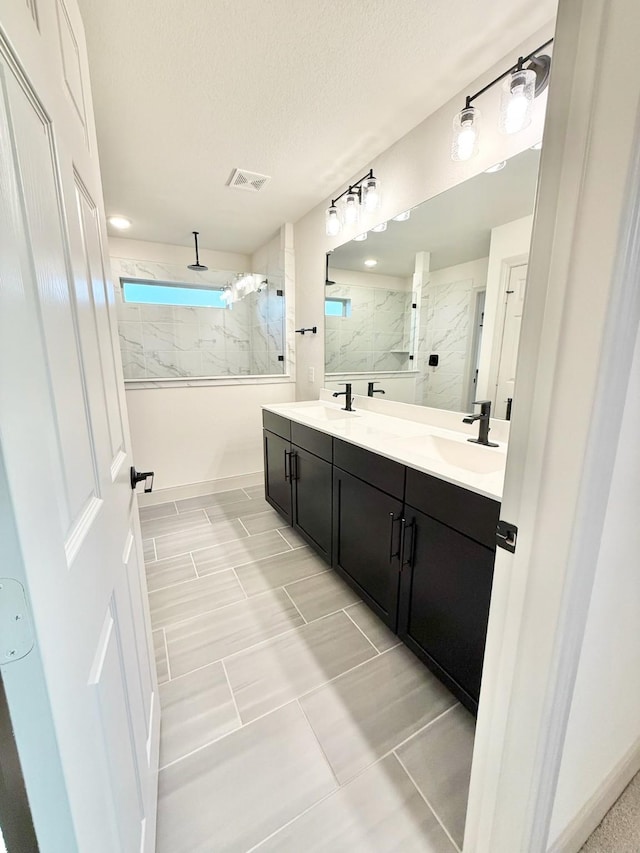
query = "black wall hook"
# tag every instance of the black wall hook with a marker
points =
(313, 330)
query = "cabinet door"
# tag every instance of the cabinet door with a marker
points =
(312, 499)
(277, 473)
(366, 541)
(444, 602)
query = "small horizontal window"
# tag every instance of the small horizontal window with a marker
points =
(172, 294)
(337, 307)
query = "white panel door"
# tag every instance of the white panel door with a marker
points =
(64, 439)
(510, 338)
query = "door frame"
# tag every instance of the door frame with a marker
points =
(582, 319)
(508, 265)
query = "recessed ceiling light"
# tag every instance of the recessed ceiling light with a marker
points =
(537, 146)
(360, 237)
(497, 167)
(402, 217)
(120, 222)
(381, 227)
(370, 262)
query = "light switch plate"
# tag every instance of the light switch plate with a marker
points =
(311, 374)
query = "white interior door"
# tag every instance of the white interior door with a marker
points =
(65, 445)
(514, 304)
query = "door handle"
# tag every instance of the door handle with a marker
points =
(141, 477)
(287, 468)
(392, 521)
(405, 528)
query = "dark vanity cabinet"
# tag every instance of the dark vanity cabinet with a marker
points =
(298, 477)
(277, 463)
(447, 557)
(418, 550)
(367, 512)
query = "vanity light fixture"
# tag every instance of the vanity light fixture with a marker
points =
(360, 237)
(119, 222)
(523, 82)
(402, 217)
(370, 262)
(382, 226)
(363, 196)
(332, 221)
(497, 167)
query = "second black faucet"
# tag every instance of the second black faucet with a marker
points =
(347, 395)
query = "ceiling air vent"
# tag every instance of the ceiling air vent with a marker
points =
(251, 181)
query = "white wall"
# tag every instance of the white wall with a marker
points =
(199, 432)
(447, 313)
(604, 722)
(509, 242)
(416, 168)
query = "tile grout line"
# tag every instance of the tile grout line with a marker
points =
(282, 536)
(235, 574)
(428, 804)
(233, 697)
(166, 651)
(195, 569)
(371, 643)
(317, 740)
(243, 527)
(286, 592)
(195, 550)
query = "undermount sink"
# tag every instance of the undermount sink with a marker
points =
(325, 413)
(460, 454)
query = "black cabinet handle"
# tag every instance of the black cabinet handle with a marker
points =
(287, 468)
(392, 521)
(295, 475)
(405, 528)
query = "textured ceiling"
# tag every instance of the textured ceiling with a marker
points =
(306, 91)
(454, 226)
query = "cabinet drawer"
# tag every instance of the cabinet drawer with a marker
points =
(467, 512)
(277, 424)
(376, 470)
(312, 440)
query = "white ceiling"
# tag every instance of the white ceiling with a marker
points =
(454, 226)
(306, 91)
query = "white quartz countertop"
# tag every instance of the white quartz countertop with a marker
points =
(433, 449)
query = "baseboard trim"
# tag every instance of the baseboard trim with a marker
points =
(591, 814)
(206, 487)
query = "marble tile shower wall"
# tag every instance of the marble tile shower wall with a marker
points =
(377, 335)
(163, 341)
(446, 318)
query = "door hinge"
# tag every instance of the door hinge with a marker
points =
(506, 535)
(16, 628)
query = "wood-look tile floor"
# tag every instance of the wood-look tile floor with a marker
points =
(292, 718)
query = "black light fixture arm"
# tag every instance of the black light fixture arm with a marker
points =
(357, 187)
(517, 67)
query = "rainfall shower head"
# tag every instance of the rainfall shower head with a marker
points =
(198, 267)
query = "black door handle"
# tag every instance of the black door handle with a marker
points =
(141, 477)
(392, 521)
(404, 530)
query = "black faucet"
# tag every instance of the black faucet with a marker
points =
(483, 418)
(371, 390)
(347, 395)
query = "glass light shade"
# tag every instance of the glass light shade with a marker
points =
(370, 262)
(371, 195)
(351, 210)
(332, 222)
(516, 102)
(466, 132)
(360, 237)
(402, 217)
(497, 167)
(381, 227)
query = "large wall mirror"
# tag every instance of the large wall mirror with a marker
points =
(430, 307)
